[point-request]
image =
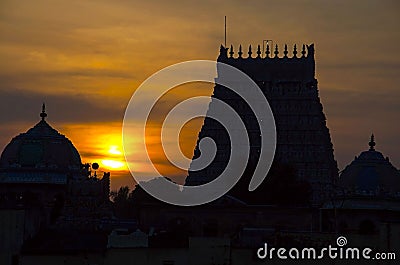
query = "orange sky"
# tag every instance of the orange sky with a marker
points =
(85, 59)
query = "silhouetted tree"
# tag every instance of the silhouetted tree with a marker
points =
(122, 203)
(121, 195)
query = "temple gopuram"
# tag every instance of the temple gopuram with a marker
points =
(304, 144)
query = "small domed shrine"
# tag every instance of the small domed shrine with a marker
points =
(42, 169)
(41, 155)
(367, 199)
(370, 174)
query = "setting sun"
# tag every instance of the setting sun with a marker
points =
(113, 164)
(114, 150)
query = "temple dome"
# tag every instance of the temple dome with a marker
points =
(371, 174)
(41, 147)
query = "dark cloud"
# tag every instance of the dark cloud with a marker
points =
(363, 65)
(22, 105)
(377, 104)
(69, 73)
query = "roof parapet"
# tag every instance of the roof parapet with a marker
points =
(307, 52)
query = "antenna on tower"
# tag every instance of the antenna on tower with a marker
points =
(225, 31)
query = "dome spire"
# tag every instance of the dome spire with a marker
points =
(372, 143)
(43, 115)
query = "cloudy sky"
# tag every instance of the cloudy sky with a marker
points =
(86, 58)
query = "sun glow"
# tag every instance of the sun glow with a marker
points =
(114, 150)
(116, 162)
(115, 158)
(104, 148)
(113, 164)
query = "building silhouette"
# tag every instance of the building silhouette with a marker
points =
(303, 139)
(367, 196)
(53, 210)
(43, 183)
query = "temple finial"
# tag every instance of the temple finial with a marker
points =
(303, 52)
(372, 143)
(258, 51)
(250, 52)
(267, 52)
(240, 51)
(276, 52)
(43, 115)
(231, 52)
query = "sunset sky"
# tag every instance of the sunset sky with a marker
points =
(86, 58)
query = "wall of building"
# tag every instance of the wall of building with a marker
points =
(11, 233)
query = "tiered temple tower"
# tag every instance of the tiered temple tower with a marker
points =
(303, 139)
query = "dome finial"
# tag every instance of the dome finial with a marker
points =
(43, 115)
(372, 143)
